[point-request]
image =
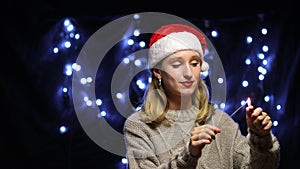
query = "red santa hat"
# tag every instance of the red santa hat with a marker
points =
(174, 37)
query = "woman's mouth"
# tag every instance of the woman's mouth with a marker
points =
(187, 83)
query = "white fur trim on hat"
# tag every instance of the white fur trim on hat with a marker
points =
(174, 42)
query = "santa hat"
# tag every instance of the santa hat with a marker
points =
(174, 37)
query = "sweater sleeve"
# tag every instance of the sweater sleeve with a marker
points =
(251, 151)
(264, 151)
(256, 152)
(141, 151)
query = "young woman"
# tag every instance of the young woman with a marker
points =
(177, 127)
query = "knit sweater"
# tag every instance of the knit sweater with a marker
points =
(166, 147)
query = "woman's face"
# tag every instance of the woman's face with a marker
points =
(181, 73)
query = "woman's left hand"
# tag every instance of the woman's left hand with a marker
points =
(258, 121)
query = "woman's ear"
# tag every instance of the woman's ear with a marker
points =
(157, 73)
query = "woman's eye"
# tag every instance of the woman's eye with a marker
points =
(176, 66)
(195, 64)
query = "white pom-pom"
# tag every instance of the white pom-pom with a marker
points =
(204, 66)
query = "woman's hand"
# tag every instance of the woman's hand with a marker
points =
(200, 136)
(258, 121)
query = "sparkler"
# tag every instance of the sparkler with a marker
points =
(248, 101)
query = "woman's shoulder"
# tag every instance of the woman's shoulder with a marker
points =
(135, 118)
(135, 124)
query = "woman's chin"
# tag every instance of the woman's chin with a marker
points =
(187, 92)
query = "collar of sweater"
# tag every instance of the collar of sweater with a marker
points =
(182, 115)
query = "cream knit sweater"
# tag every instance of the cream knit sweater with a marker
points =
(166, 146)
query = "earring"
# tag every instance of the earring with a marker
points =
(159, 82)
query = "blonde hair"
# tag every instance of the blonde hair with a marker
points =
(156, 106)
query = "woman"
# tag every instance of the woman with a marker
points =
(177, 127)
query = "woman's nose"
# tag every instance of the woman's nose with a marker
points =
(187, 72)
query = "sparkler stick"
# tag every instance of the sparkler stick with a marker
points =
(248, 101)
(237, 110)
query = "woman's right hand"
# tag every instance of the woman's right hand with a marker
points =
(200, 136)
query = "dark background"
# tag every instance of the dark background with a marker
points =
(32, 112)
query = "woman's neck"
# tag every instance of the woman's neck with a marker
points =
(179, 102)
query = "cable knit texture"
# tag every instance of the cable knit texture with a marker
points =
(165, 147)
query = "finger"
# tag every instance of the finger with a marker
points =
(262, 121)
(199, 142)
(266, 120)
(201, 138)
(205, 138)
(202, 141)
(201, 135)
(257, 124)
(256, 112)
(205, 127)
(213, 128)
(249, 109)
(195, 136)
(211, 132)
(268, 126)
(262, 116)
